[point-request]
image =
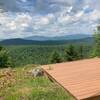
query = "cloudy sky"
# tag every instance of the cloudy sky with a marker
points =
(23, 18)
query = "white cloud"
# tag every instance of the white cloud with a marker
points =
(95, 15)
(11, 25)
(49, 18)
(14, 25)
(43, 21)
(70, 9)
(79, 14)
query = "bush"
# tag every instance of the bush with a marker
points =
(71, 53)
(5, 60)
(97, 42)
(55, 57)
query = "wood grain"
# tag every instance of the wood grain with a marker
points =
(81, 78)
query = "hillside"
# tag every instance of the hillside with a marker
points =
(18, 84)
(40, 54)
(16, 41)
(19, 41)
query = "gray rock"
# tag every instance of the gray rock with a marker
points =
(37, 72)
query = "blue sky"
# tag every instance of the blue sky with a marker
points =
(23, 18)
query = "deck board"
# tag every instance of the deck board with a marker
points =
(81, 78)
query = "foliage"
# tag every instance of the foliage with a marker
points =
(71, 53)
(5, 60)
(76, 52)
(41, 54)
(81, 52)
(84, 51)
(97, 42)
(1, 48)
(55, 57)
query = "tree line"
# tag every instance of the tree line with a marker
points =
(71, 53)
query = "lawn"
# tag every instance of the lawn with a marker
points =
(18, 84)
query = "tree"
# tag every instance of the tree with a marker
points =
(55, 57)
(71, 53)
(97, 42)
(1, 48)
(5, 60)
(81, 52)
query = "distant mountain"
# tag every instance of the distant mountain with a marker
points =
(16, 41)
(38, 38)
(19, 41)
(66, 37)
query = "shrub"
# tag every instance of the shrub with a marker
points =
(5, 60)
(71, 53)
(55, 57)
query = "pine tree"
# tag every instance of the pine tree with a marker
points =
(71, 53)
(55, 57)
(1, 48)
(97, 42)
(81, 52)
(5, 60)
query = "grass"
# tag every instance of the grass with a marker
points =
(22, 86)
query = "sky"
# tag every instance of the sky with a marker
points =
(23, 18)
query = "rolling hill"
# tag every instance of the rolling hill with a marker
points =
(19, 41)
(16, 41)
(41, 40)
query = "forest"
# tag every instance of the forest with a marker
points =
(44, 54)
(35, 54)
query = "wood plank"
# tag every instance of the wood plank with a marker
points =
(81, 78)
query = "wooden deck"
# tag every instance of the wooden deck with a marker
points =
(80, 78)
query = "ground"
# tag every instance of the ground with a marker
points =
(18, 84)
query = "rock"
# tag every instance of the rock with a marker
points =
(37, 72)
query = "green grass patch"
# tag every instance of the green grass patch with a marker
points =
(27, 87)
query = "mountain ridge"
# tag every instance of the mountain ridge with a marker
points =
(65, 37)
(19, 41)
